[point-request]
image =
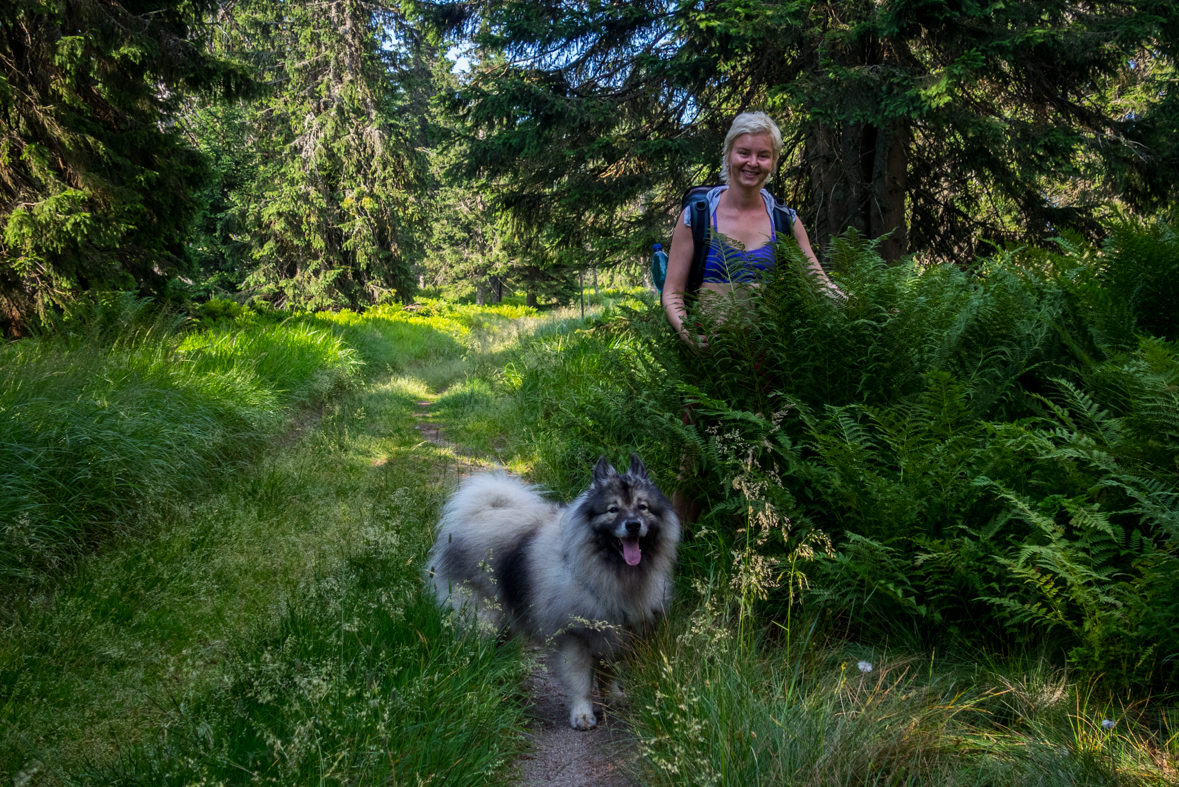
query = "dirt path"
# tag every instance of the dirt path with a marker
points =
(560, 754)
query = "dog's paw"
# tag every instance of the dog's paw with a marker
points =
(581, 717)
(612, 692)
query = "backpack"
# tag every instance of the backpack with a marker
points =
(695, 199)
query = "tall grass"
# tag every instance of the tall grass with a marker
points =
(122, 407)
(361, 679)
(709, 711)
(586, 390)
(270, 624)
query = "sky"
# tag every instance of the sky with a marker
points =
(458, 54)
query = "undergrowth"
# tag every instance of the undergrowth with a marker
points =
(712, 708)
(953, 461)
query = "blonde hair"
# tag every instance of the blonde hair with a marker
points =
(750, 123)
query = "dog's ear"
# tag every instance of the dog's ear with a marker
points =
(603, 471)
(637, 468)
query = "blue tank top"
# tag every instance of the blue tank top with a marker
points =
(726, 264)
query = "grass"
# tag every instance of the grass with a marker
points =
(97, 430)
(124, 408)
(711, 709)
(269, 623)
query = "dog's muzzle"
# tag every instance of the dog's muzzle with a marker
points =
(628, 533)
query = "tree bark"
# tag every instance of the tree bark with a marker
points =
(859, 180)
(530, 300)
(858, 148)
(889, 182)
(823, 158)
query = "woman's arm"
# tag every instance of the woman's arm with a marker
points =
(804, 243)
(679, 264)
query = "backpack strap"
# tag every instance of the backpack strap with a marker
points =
(783, 218)
(695, 202)
(699, 208)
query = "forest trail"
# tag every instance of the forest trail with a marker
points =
(559, 754)
(563, 755)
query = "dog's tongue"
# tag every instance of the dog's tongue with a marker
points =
(631, 552)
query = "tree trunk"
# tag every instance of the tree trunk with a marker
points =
(497, 289)
(481, 294)
(823, 158)
(530, 300)
(859, 180)
(889, 181)
(859, 146)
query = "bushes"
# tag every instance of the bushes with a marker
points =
(986, 452)
(993, 450)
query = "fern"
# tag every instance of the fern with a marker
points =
(985, 446)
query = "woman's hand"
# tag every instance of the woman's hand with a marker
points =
(804, 243)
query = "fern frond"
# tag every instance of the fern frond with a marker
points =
(1099, 423)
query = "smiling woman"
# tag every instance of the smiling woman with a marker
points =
(741, 215)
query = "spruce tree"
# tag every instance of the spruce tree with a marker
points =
(320, 205)
(96, 179)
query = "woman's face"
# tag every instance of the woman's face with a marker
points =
(751, 160)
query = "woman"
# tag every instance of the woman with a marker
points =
(742, 215)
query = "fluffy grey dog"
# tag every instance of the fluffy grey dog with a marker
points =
(584, 577)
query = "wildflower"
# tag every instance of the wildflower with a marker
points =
(1108, 724)
(865, 666)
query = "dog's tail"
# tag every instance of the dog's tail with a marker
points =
(485, 496)
(483, 518)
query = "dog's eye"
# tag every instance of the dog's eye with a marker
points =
(612, 510)
(642, 506)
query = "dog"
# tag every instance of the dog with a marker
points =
(586, 577)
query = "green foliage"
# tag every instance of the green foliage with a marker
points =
(96, 180)
(120, 409)
(589, 119)
(316, 204)
(959, 454)
(963, 441)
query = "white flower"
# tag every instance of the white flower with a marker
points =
(1108, 724)
(865, 666)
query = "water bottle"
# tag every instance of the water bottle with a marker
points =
(659, 266)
